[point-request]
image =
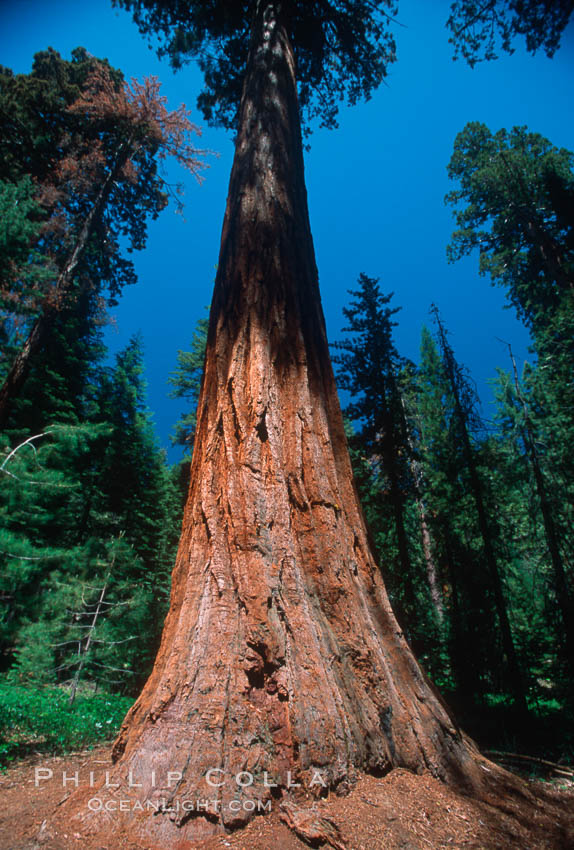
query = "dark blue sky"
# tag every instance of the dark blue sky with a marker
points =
(376, 185)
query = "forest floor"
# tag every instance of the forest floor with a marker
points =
(399, 810)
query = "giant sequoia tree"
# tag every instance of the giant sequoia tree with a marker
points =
(481, 27)
(280, 655)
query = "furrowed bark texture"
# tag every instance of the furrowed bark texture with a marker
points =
(280, 651)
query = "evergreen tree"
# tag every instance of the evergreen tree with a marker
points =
(273, 545)
(480, 28)
(369, 369)
(517, 193)
(87, 495)
(470, 624)
(38, 528)
(20, 228)
(529, 439)
(464, 414)
(186, 384)
(63, 379)
(133, 468)
(342, 50)
(93, 150)
(80, 170)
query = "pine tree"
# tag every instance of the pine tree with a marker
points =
(516, 191)
(186, 384)
(369, 368)
(86, 495)
(39, 498)
(464, 410)
(527, 434)
(470, 625)
(101, 182)
(134, 464)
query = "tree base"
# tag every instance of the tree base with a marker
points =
(388, 811)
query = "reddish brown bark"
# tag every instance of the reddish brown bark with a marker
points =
(280, 652)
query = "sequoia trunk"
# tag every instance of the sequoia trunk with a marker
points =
(281, 658)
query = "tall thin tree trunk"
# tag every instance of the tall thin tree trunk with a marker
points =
(515, 676)
(430, 564)
(280, 653)
(463, 653)
(404, 580)
(42, 325)
(417, 478)
(563, 593)
(87, 647)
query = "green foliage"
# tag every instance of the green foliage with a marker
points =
(23, 271)
(517, 197)
(89, 510)
(19, 229)
(42, 139)
(87, 507)
(186, 384)
(69, 126)
(518, 191)
(372, 371)
(342, 48)
(533, 439)
(452, 522)
(457, 629)
(90, 145)
(89, 522)
(41, 719)
(479, 28)
(516, 205)
(63, 377)
(35, 524)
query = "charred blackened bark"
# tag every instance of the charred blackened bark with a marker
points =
(280, 654)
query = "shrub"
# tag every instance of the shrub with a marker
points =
(39, 718)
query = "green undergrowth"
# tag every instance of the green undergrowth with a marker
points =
(547, 732)
(39, 719)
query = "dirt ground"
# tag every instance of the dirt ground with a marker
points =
(399, 810)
